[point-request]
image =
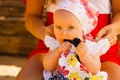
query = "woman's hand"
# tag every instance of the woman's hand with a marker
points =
(109, 33)
(50, 31)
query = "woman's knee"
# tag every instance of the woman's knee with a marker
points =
(112, 69)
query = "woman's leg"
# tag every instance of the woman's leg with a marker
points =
(112, 69)
(33, 69)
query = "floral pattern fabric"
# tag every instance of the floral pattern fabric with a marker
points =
(71, 68)
(69, 65)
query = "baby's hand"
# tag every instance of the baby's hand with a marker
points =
(65, 46)
(81, 49)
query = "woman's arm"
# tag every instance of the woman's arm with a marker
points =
(116, 15)
(112, 30)
(33, 69)
(33, 18)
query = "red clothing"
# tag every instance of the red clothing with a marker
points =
(112, 54)
(24, 1)
(103, 20)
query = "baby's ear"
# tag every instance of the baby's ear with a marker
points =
(76, 41)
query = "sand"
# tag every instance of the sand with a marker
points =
(10, 66)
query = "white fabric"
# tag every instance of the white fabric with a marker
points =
(84, 11)
(51, 42)
(47, 74)
(102, 5)
(102, 45)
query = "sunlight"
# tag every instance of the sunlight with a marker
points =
(9, 70)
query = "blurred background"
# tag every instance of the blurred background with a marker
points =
(15, 41)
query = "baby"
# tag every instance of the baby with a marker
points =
(74, 54)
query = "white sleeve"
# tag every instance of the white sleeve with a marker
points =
(101, 46)
(51, 42)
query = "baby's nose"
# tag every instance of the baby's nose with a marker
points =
(65, 32)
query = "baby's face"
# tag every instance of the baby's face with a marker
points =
(66, 26)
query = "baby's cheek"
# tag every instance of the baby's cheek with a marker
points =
(59, 39)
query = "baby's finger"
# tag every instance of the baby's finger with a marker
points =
(81, 49)
(65, 46)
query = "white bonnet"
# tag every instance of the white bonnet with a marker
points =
(85, 12)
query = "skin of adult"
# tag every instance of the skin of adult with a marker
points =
(112, 68)
(32, 70)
